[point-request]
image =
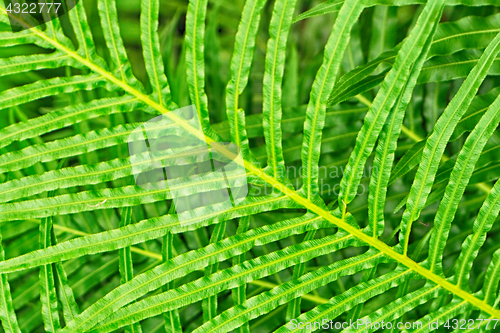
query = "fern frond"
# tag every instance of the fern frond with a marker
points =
(189, 261)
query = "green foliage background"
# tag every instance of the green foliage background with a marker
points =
(396, 99)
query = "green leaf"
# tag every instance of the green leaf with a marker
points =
(239, 294)
(384, 155)
(470, 248)
(333, 6)
(459, 178)
(409, 160)
(293, 308)
(276, 103)
(190, 261)
(78, 19)
(8, 38)
(172, 319)
(125, 262)
(63, 117)
(491, 279)
(136, 233)
(443, 64)
(457, 65)
(152, 54)
(231, 277)
(345, 301)
(455, 307)
(21, 64)
(209, 304)
(120, 197)
(7, 313)
(111, 29)
(281, 22)
(50, 312)
(398, 308)
(476, 110)
(72, 146)
(321, 89)
(326, 7)
(66, 295)
(437, 141)
(471, 32)
(265, 302)
(49, 87)
(240, 69)
(195, 61)
(385, 99)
